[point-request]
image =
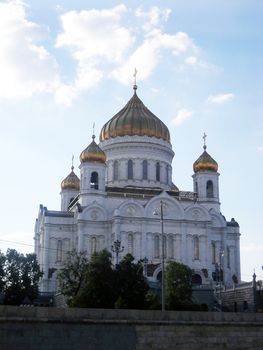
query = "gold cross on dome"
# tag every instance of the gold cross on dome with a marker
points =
(134, 75)
(204, 137)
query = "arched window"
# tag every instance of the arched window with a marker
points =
(209, 189)
(170, 248)
(196, 187)
(228, 257)
(130, 244)
(93, 245)
(196, 248)
(59, 250)
(167, 174)
(145, 170)
(164, 246)
(157, 171)
(213, 253)
(130, 169)
(156, 246)
(115, 170)
(94, 180)
(196, 279)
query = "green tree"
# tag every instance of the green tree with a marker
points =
(71, 277)
(99, 287)
(132, 286)
(20, 276)
(178, 288)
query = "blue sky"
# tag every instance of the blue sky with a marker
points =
(65, 65)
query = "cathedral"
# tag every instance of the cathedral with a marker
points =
(125, 201)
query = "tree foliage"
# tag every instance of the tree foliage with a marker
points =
(72, 276)
(178, 288)
(132, 287)
(99, 285)
(19, 275)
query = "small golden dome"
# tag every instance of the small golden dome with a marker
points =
(71, 182)
(205, 163)
(135, 119)
(93, 153)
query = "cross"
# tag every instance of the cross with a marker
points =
(134, 75)
(204, 137)
(72, 161)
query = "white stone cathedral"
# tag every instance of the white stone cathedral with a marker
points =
(126, 180)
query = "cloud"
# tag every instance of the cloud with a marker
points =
(182, 115)
(154, 17)
(26, 67)
(220, 98)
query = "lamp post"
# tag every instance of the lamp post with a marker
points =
(221, 254)
(162, 257)
(116, 248)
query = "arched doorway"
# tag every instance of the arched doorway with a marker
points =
(196, 279)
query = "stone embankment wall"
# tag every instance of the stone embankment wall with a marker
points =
(90, 329)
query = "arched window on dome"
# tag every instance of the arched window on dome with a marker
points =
(196, 248)
(167, 174)
(156, 248)
(209, 189)
(145, 170)
(93, 247)
(94, 180)
(130, 169)
(228, 257)
(130, 244)
(213, 253)
(115, 170)
(157, 171)
(196, 187)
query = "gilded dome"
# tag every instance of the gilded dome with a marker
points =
(205, 163)
(93, 153)
(135, 119)
(71, 182)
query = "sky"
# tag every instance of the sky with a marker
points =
(65, 65)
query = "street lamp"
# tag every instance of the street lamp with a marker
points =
(156, 212)
(221, 254)
(116, 248)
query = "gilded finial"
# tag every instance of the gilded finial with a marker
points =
(204, 137)
(134, 75)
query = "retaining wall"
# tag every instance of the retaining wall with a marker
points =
(96, 329)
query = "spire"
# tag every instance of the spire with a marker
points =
(204, 137)
(135, 85)
(72, 162)
(93, 132)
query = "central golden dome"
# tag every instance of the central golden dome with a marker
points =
(135, 119)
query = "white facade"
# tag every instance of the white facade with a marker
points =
(131, 184)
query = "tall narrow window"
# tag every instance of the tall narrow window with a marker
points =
(59, 250)
(170, 248)
(164, 247)
(130, 244)
(130, 169)
(145, 170)
(167, 174)
(228, 257)
(213, 253)
(196, 187)
(115, 170)
(157, 171)
(209, 189)
(196, 248)
(93, 245)
(94, 180)
(156, 246)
